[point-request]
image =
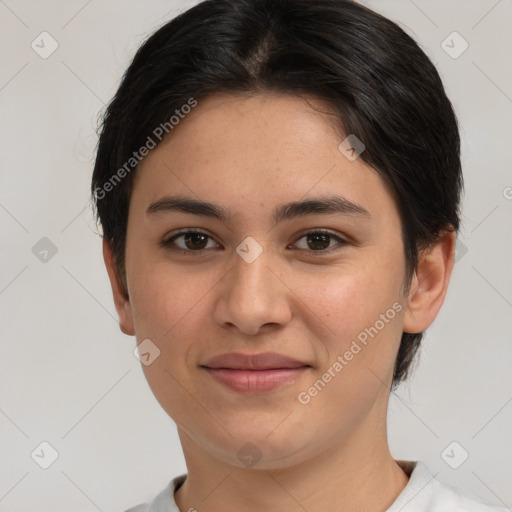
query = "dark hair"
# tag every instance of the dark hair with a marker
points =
(382, 86)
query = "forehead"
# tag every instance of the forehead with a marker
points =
(257, 151)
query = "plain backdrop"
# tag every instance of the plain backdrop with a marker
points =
(68, 376)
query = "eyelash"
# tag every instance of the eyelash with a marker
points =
(168, 242)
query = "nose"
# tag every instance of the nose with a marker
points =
(252, 296)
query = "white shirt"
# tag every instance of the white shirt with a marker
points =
(423, 493)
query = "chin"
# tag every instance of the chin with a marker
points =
(262, 450)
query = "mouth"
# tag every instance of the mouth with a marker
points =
(255, 381)
(259, 373)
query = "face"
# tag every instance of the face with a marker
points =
(321, 286)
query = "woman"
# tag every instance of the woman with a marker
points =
(278, 183)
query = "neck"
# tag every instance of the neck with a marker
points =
(357, 474)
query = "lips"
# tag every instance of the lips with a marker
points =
(264, 361)
(254, 374)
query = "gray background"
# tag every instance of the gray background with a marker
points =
(69, 376)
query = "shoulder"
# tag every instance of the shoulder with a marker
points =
(449, 498)
(164, 500)
(425, 493)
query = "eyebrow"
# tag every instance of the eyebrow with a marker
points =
(287, 211)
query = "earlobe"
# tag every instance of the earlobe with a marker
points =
(121, 299)
(429, 284)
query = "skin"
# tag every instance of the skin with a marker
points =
(250, 154)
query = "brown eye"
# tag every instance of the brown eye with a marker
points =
(318, 241)
(189, 241)
(195, 241)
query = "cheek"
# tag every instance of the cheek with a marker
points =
(350, 297)
(165, 296)
(357, 315)
(363, 315)
(168, 308)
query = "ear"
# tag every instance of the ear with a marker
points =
(121, 300)
(429, 284)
